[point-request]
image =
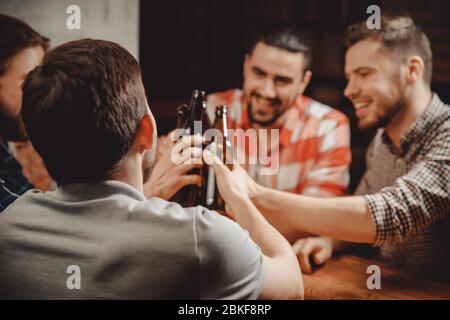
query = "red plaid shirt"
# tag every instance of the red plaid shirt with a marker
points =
(314, 146)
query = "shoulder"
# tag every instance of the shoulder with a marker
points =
(439, 141)
(433, 131)
(215, 235)
(224, 97)
(231, 98)
(24, 200)
(21, 210)
(218, 234)
(210, 224)
(442, 124)
(231, 264)
(322, 112)
(323, 118)
(206, 223)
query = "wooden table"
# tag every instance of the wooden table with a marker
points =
(345, 277)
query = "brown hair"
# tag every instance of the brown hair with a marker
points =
(82, 107)
(285, 37)
(398, 35)
(16, 35)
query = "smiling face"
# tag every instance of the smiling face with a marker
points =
(12, 127)
(376, 86)
(273, 79)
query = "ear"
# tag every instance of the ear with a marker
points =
(415, 68)
(145, 131)
(305, 81)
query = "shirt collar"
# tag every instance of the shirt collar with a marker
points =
(418, 129)
(97, 190)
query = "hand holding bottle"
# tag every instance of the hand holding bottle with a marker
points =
(232, 184)
(172, 166)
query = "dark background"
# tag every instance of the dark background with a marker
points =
(200, 44)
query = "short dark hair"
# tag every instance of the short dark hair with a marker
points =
(82, 108)
(399, 36)
(16, 35)
(289, 38)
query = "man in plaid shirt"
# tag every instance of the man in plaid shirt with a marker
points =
(313, 151)
(403, 201)
(312, 155)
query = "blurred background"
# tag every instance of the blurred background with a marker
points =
(183, 45)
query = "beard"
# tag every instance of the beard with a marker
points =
(148, 163)
(12, 128)
(391, 108)
(391, 112)
(265, 123)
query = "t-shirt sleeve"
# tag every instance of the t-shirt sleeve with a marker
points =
(231, 264)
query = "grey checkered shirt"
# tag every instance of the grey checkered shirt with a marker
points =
(407, 191)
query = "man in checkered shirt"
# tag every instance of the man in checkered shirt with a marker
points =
(403, 202)
(313, 151)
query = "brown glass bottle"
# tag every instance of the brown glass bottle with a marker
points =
(197, 124)
(222, 147)
(183, 115)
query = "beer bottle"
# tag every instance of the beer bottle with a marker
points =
(222, 147)
(192, 195)
(183, 114)
(198, 112)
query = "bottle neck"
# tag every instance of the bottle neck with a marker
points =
(221, 123)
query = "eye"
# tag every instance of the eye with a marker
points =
(284, 81)
(364, 73)
(259, 72)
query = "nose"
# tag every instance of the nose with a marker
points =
(268, 89)
(351, 90)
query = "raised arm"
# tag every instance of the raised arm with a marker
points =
(283, 279)
(412, 203)
(346, 218)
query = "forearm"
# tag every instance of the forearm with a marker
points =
(346, 218)
(271, 242)
(283, 275)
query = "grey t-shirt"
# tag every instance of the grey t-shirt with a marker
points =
(124, 246)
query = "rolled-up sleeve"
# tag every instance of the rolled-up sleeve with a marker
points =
(416, 200)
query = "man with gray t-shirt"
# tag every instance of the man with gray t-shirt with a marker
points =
(97, 236)
(124, 246)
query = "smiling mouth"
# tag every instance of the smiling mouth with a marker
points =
(361, 108)
(269, 102)
(262, 113)
(261, 109)
(361, 105)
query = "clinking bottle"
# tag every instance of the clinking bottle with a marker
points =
(196, 124)
(222, 147)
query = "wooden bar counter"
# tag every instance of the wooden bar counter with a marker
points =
(345, 277)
